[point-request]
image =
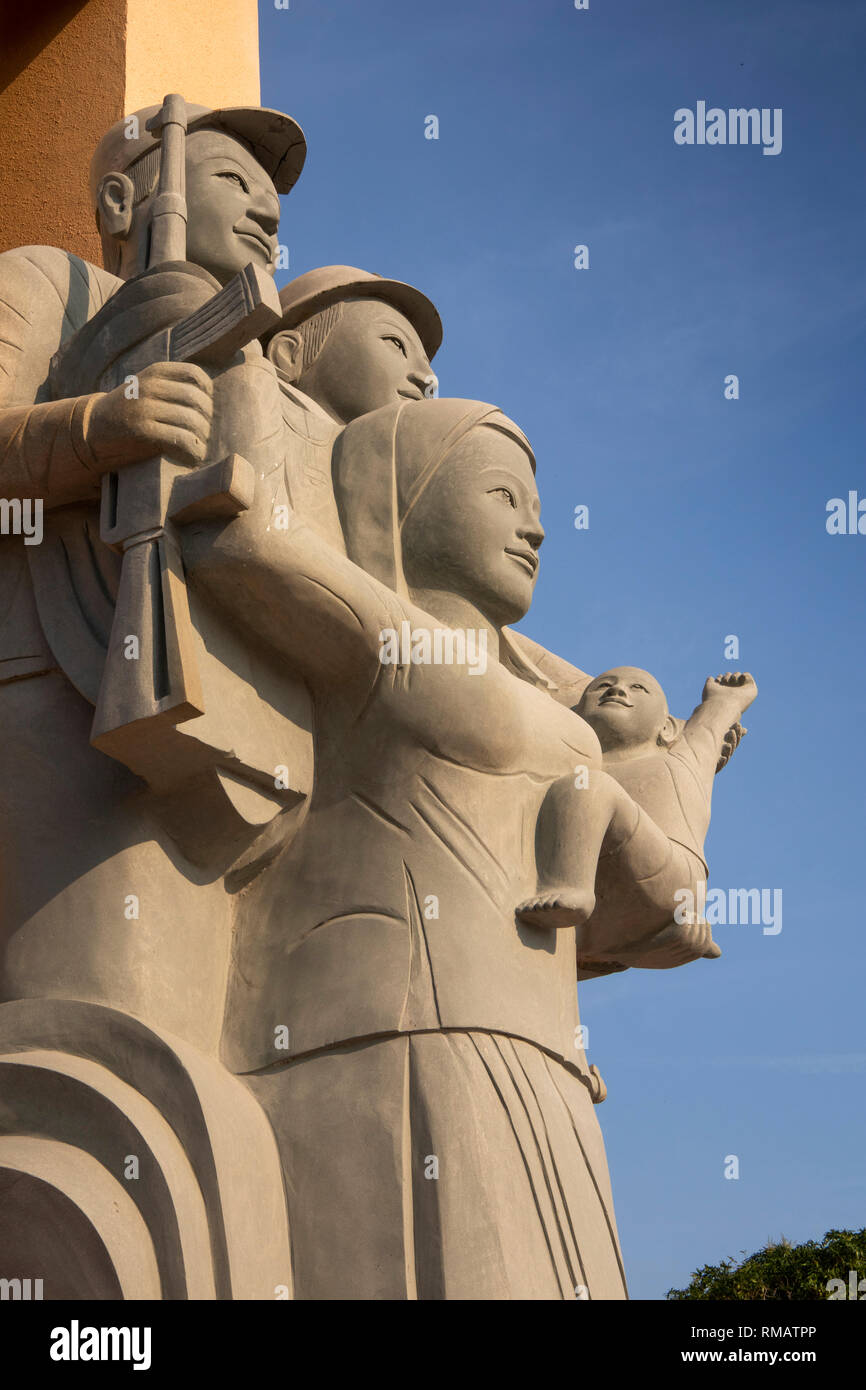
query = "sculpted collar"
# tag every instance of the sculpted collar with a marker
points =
(304, 415)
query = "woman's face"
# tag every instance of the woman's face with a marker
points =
(475, 531)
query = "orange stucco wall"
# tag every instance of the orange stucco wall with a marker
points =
(66, 69)
(70, 69)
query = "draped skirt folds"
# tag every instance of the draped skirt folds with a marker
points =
(443, 1165)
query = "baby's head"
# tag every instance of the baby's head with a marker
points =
(627, 709)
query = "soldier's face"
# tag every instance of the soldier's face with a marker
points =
(372, 357)
(233, 210)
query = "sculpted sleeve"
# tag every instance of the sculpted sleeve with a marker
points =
(294, 591)
(703, 735)
(45, 296)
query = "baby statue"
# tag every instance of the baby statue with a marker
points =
(615, 846)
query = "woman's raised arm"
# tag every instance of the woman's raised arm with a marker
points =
(277, 579)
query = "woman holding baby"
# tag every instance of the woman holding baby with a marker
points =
(433, 1107)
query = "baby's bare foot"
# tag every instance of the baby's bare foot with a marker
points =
(559, 907)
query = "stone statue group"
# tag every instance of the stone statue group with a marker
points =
(293, 920)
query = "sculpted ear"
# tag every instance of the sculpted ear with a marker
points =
(286, 351)
(114, 200)
(670, 731)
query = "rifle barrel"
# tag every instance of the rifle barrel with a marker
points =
(168, 219)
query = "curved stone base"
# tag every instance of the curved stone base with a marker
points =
(132, 1166)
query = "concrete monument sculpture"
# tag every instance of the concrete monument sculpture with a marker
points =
(284, 1012)
(155, 824)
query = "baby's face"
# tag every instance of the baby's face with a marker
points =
(625, 706)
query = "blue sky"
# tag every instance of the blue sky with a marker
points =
(707, 516)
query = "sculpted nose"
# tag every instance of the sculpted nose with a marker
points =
(534, 532)
(425, 382)
(265, 211)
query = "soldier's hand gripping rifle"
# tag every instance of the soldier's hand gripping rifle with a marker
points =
(150, 671)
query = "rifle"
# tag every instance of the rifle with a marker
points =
(151, 676)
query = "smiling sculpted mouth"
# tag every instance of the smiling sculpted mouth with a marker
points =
(260, 241)
(526, 557)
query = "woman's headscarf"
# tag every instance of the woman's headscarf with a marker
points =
(384, 461)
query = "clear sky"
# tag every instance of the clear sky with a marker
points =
(707, 515)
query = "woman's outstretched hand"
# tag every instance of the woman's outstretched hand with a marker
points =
(678, 943)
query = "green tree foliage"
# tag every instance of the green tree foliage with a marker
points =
(782, 1270)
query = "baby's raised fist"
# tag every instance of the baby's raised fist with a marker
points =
(737, 684)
